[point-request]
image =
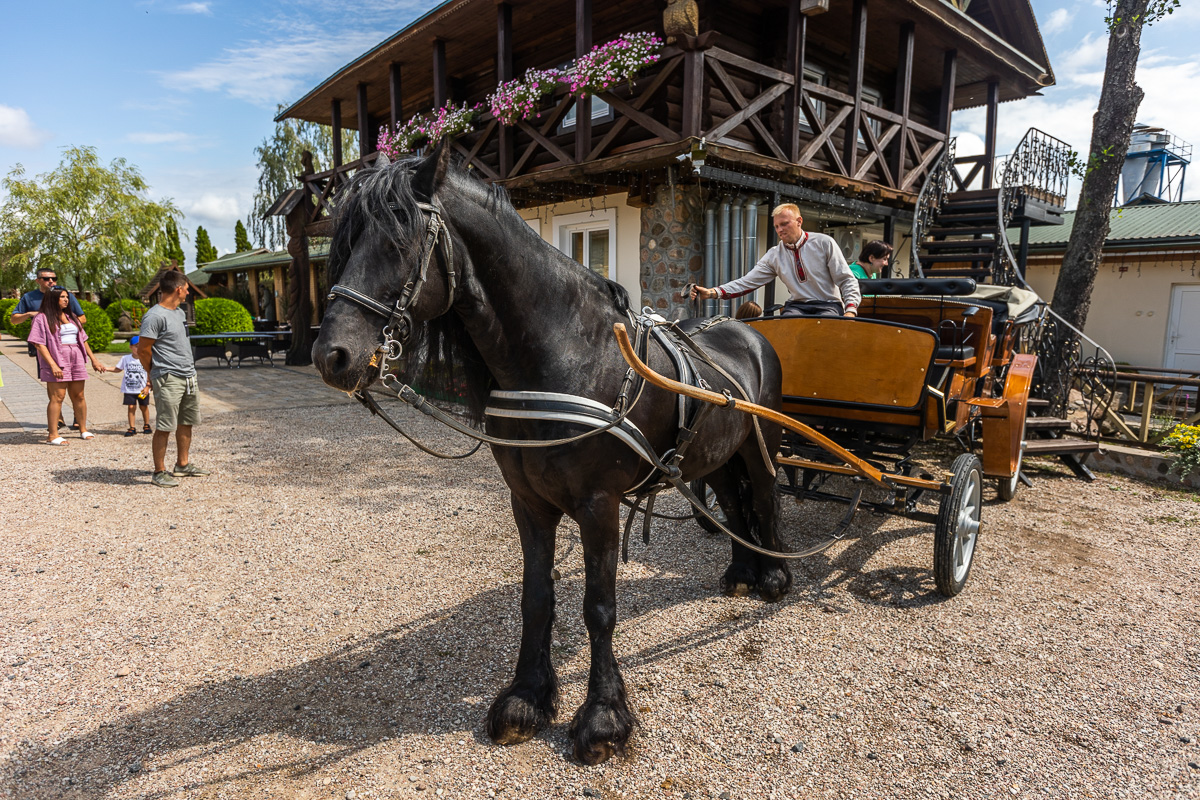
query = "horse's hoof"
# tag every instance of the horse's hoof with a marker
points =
(600, 730)
(739, 580)
(516, 717)
(774, 583)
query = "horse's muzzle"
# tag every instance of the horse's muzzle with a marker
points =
(342, 367)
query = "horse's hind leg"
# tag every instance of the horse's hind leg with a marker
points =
(741, 576)
(531, 701)
(603, 724)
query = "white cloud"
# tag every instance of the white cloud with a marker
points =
(221, 210)
(149, 137)
(18, 130)
(194, 8)
(267, 73)
(1059, 20)
(1086, 57)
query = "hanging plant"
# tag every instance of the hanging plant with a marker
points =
(612, 63)
(421, 129)
(604, 67)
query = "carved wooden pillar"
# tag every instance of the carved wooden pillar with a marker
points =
(441, 93)
(858, 53)
(989, 139)
(299, 297)
(394, 96)
(583, 105)
(901, 106)
(335, 120)
(504, 72)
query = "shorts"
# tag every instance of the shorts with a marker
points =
(134, 400)
(174, 405)
(72, 363)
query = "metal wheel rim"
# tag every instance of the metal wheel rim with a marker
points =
(966, 526)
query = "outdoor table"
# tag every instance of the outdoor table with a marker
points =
(231, 345)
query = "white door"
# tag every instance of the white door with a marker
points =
(1183, 329)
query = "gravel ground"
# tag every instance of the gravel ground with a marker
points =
(329, 616)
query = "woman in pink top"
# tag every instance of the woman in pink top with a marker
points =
(63, 354)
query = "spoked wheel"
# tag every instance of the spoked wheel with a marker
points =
(705, 493)
(1007, 489)
(957, 529)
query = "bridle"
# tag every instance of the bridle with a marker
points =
(399, 325)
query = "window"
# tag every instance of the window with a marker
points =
(601, 112)
(590, 239)
(817, 75)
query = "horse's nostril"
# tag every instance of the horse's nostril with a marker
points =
(338, 360)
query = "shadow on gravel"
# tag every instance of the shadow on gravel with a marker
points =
(435, 675)
(115, 476)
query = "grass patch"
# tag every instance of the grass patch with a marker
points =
(118, 346)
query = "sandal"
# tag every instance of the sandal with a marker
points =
(131, 432)
(74, 426)
(146, 429)
(57, 441)
(87, 435)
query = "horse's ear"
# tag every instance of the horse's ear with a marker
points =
(433, 170)
(382, 160)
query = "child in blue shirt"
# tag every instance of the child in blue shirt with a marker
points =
(135, 385)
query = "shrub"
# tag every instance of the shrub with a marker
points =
(99, 328)
(20, 331)
(1184, 442)
(218, 315)
(6, 307)
(135, 307)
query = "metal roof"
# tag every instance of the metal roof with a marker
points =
(259, 259)
(1149, 226)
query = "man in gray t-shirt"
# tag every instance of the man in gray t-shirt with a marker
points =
(166, 353)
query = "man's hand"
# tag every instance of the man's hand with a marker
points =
(702, 292)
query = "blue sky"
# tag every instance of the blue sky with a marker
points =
(186, 90)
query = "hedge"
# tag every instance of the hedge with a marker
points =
(6, 307)
(136, 310)
(218, 315)
(98, 326)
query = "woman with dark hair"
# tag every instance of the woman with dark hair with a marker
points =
(872, 261)
(63, 354)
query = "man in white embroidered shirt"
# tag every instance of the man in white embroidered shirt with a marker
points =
(811, 265)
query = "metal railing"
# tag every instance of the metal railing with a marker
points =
(938, 183)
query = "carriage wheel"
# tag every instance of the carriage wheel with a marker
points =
(957, 529)
(1007, 489)
(705, 493)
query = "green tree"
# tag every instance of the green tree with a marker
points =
(93, 222)
(205, 252)
(279, 162)
(241, 242)
(172, 250)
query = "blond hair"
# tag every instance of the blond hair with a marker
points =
(792, 207)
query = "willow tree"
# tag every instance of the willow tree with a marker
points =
(1112, 126)
(279, 162)
(93, 222)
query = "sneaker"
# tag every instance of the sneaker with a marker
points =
(189, 471)
(131, 432)
(164, 479)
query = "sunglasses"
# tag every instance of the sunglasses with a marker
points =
(52, 278)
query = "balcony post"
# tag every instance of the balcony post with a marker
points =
(365, 145)
(440, 83)
(583, 105)
(903, 98)
(797, 34)
(989, 142)
(857, 62)
(504, 72)
(394, 95)
(335, 121)
(949, 78)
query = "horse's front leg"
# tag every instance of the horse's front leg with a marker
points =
(531, 701)
(603, 723)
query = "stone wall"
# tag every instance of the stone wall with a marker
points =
(1136, 463)
(672, 246)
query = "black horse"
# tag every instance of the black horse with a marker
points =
(521, 316)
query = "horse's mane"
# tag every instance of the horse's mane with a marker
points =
(442, 358)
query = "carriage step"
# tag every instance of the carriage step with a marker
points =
(1045, 447)
(963, 231)
(1047, 423)
(961, 244)
(951, 258)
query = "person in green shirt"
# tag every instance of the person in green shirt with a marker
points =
(872, 261)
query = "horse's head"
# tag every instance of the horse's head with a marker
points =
(390, 266)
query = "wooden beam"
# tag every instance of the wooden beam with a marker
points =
(504, 72)
(946, 106)
(903, 99)
(693, 93)
(440, 82)
(583, 105)
(989, 141)
(858, 56)
(797, 34)
(335, 115)
(365, 145)
(397, 100)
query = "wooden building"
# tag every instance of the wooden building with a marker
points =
(842, 106)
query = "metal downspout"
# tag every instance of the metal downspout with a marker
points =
(750, 238)
(722, 250)
(710, 255)
(736, 253)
